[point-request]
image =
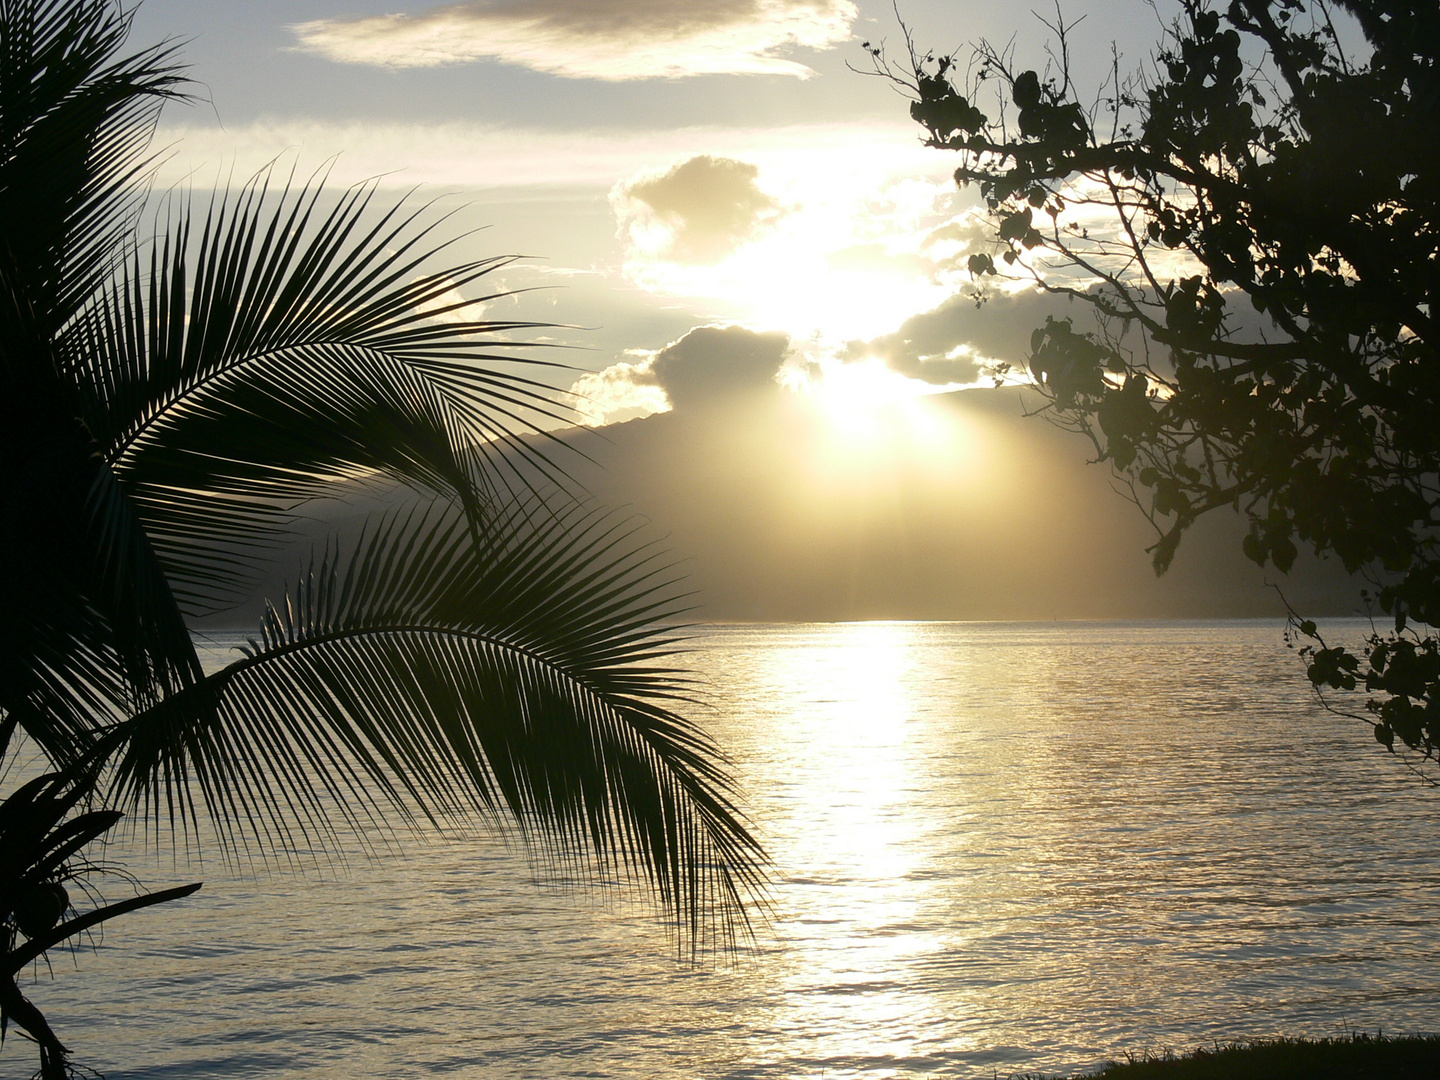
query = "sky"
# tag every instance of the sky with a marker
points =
(662, 164)
(721, 216)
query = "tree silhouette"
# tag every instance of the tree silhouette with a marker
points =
(41, 848)
(1250, 223)
(168, 404)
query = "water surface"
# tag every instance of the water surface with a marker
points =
(1000, 847)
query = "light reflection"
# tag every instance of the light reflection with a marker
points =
(851, 849)
(1092, 852)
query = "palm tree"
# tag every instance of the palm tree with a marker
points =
(496, 647)
(41, 848)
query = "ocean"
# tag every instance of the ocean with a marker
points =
(999, 848)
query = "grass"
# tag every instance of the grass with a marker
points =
(1353, 1057)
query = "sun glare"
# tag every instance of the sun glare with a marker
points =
(841, 251)
(789, 282)
(867, 403)
(845, 298)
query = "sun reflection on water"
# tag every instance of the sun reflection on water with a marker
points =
(852, 857)
(999, 849)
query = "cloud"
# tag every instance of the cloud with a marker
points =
(620, 392)
(698, 212)
(711, 363)
(709, 366)
(951, 244)
(817, 242)
(961, 340)
(592, 39)
(858, 155)
(877, 258)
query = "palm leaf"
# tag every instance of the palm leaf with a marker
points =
(164, 411)
(74, 124)
(89, 628)
(524, 673)
(275, 346)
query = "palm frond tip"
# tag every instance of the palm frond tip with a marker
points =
(425, 671)
(166, 409)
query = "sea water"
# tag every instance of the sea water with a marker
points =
(998, 848)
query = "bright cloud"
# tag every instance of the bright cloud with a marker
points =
(829, 241)
(964, 339)
(593, 39)
(620, 392)
(699, 211)
(478, 155)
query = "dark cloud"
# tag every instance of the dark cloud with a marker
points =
(999, 329)
(592, 39)
(996, 330)
(711, 364)
(710, 205)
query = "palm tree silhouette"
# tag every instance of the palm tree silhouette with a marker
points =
(167, 406)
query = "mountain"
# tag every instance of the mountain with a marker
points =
(961, 508)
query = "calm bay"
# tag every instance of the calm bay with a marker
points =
(998, 848)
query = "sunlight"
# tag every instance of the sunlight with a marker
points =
(854, 396)
(794, 281)
(868, 406)
(847, 293)
(850, 690)
(839, 250)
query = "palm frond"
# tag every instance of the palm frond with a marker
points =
(89, 628)
(88, 625)
(274, 345)
(525, 674)
(163, 411)
(75, 119)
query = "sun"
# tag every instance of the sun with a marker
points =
(844, 296)
(790, 282)
(853, 396)
(867, 403)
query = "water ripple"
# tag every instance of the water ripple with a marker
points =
(999, 848)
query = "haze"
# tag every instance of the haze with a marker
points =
(775, 351)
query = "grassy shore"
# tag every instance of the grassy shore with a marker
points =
(1355, 1057)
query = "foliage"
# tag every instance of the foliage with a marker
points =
(1250, 223)
(41, 848)
(167, 405)
(1353, 1057)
